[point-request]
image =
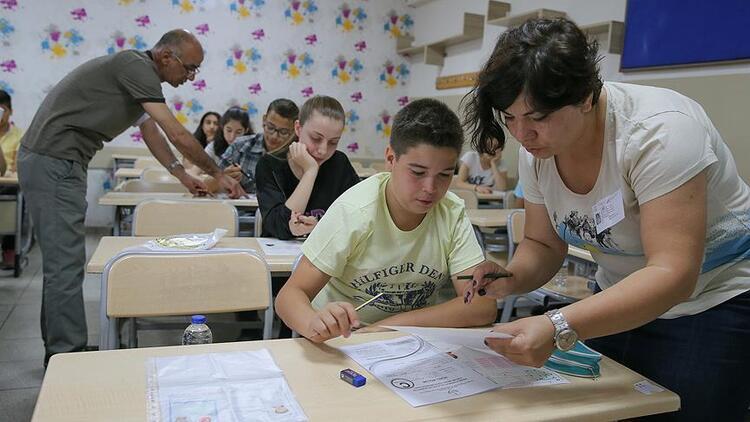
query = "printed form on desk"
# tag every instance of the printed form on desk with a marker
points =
(226, 387)
(273, 246)
(457, 365)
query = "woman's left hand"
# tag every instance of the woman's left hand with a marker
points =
(532, 342)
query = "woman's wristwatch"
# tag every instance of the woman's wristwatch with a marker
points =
(565, 337)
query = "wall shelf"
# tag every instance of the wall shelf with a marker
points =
(456, 81)
(516, 20)
(614, 31)
(497, 10)
(434, 53)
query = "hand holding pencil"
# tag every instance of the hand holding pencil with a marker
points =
(488, 279)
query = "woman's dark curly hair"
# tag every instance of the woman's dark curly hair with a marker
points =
(550, 60)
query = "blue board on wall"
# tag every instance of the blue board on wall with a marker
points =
(685, 32)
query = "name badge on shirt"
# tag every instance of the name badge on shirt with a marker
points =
(608, 211)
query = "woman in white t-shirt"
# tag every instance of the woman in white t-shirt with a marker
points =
(482, 173)
(641, 178)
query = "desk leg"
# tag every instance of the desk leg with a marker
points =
(116, 227)
(21, 247)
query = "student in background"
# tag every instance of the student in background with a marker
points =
(204, 133)
(641, 177)
(241, 158)
(398, 233)
(297, 184)
(10, 135)
(234, 123)
(10, 139)
(482, 173)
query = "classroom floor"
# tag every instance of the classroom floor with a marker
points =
(21, 347)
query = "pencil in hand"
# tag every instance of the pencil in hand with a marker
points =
(368, 302)
(488, 275)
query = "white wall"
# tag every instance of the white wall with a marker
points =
(439, 18)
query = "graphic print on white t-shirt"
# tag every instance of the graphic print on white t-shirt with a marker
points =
(404, 295)
(579, 229)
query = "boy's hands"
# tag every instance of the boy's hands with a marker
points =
(336, 319)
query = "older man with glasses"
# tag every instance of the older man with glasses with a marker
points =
(93, 104)
(240, 159)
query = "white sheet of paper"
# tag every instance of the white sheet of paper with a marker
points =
(273, 246)
(417, 372)
(233, 386)
(422, 374)
(449, 339)
(608, 211)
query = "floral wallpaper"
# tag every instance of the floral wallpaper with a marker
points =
(256, 51)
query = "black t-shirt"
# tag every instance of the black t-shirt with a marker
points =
(275, 182)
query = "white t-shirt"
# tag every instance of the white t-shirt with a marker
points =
(209, 149)
(478, 175)
(655, 140)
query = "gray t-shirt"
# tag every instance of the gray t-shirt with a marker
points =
(92, 104)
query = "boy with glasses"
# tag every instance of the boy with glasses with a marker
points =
(241, 158)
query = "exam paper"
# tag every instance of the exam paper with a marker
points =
(422, 374)
(220, 387)
(273, 246)
(417, 372)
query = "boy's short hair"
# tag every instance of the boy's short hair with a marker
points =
(5, 99)
(325, 106)
(285, 108)
(426, 121)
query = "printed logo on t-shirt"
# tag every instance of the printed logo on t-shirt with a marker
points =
(579, 229)
(415, 286)
(476, 180)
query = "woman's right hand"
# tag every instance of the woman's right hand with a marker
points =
(335, 319)
(494, 288)
(299, 155)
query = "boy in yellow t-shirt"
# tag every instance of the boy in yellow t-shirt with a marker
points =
(399, 234)
(10, 135)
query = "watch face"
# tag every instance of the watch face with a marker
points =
(566, 340)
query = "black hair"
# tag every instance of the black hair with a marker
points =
(199, 134)
(426, 121)
(326, 106)
(5, 99)
(234, 113)
(549, 60)
(284, 108)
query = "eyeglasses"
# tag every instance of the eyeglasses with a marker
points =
(281, 132)
(191, 71)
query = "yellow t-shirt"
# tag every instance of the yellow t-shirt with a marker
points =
(359, 246)
(9, 144)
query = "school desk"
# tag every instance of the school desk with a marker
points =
(15, 219)
(111, 385)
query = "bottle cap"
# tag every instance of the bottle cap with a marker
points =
(199, 319)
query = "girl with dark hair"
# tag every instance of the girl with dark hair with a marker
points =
(640, 177)
(234, 123)
(207, 128)
(204, 133)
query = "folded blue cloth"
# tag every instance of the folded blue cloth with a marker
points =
(580, 361)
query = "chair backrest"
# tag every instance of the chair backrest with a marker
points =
(158, 217)
(357, 165)
(157, 175)
(509, 202)
(516, 221)
(157, 283)
(258, 229)
(146, 162)
(470, 198)
(136, 185)
(378, 166)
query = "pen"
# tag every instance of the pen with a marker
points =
(242, 171)
(364, 304)
(488, 275)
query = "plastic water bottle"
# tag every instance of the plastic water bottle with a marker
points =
(197, 332)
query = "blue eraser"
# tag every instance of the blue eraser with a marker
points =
(352, 377)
